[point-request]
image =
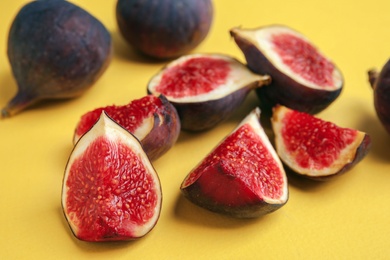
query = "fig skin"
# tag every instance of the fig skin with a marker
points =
(350, 157)
(201, 115)
(380, 83)
(165, 132)
(164, 29)
(56, 50)
(284, 89)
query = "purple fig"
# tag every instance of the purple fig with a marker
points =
(380, 82)
(205, 88)
(302, 77)
(164, 29)
(56, 50)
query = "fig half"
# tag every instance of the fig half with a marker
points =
(110, 189)
(380, 83)
(153, 120)
(303, 78)
(314, 148)
(205, 88)
(242, 177)
(57, 50)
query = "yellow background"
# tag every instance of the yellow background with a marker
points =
(347, 218)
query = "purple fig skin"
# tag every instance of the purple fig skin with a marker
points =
(165, 132)
(195, 194)
(56, 50)
(380, 83)
(164, 29)
(283, 90)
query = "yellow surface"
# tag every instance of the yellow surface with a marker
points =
(347, 218)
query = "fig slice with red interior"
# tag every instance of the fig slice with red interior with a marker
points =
(303, 78)
(111, 191)
(205, 88)
(315, 148)
(242, 176)
(153, 120)
(380, 83)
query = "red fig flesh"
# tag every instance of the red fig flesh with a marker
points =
(56, 50)
(242, 177)
(153, 120)
(110, 189)
(164, 29)
(315, 148)
(380, 82)
(303, 78)
(205, 88)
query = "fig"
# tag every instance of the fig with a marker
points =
(315, 148)
(380, 83)
(205, 88)
(303, 78)
(56, 50)
(164, 29)
(153, 120)
(242, 176)
(111, 192)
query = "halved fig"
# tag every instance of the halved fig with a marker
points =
(303, 78)
(110, 190)
(242, 177)
(380, 83)
(205, 88)
(153, 120)
(315, 148)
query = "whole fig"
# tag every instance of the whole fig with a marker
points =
(380, 82)
(56, 50)
(164, 29)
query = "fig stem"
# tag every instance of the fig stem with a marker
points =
(264, 80)
(18, 103)
(373, 76)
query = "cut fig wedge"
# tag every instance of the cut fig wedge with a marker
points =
(242, 177)
(110, 190)
(303, 78)
(205, 88)
(315, 148)
(153, 120)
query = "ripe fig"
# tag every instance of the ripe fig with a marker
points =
(56, 50)
(110, 190)
(380, 82)
(302, 77)
(314, 148)
(205, 88)
(242, 177)
(153, 120)
(164, 29)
